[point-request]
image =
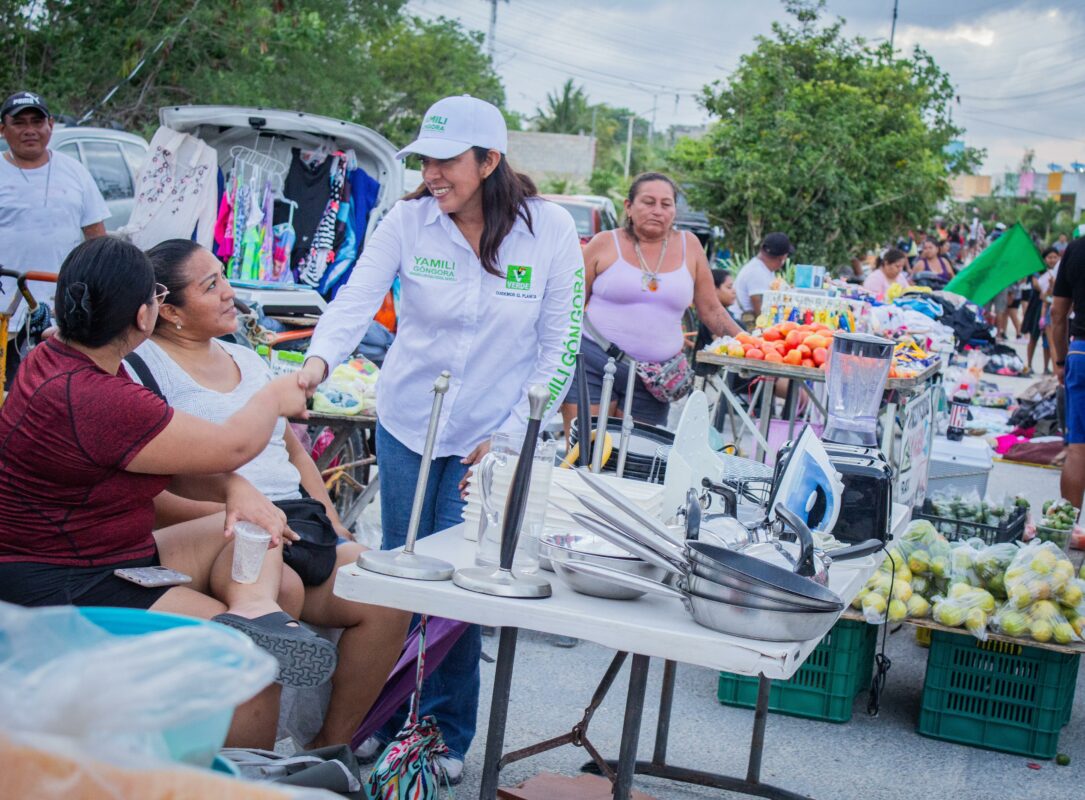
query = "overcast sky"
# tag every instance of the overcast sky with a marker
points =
(1019, 65)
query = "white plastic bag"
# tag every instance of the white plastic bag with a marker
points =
(62, 675)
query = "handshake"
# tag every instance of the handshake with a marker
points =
(292, 392)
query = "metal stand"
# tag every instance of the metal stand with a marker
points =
(659, 768)
(621, 771)
(603, 418)
(406, 563)
(627, 417)
(502, 581)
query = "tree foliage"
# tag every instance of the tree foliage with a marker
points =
(835, 142)
(360, 60)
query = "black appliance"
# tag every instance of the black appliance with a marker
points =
(866, 507)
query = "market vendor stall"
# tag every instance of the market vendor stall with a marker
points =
(660, 628)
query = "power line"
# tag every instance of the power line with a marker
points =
(1023, 130)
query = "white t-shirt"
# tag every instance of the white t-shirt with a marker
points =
(272, 471)
(42, 215)
(753, 279)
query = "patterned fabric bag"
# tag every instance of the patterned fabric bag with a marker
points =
(669, 380)
(408, 768)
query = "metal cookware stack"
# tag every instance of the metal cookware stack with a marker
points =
(781, 595)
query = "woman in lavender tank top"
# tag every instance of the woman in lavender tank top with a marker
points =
(639, 281)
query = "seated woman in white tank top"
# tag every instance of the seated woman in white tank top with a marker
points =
(207, 377)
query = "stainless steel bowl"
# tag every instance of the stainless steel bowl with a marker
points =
(587, 548)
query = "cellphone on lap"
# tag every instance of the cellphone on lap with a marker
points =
(153, 577)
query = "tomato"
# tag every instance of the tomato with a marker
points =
(755, 353)
(744, 338)
(808, 362)
(814, 341)
(787, 326)
(774, 357)
(804, 350)
(821, 355)
(794, 358)
(794, 339)
(772, 335)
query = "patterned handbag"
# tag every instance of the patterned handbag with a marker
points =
(667, 381)
(408, 768)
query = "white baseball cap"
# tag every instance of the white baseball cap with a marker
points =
(455, 124)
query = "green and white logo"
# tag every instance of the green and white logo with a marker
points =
(518, 277)
(435, 122)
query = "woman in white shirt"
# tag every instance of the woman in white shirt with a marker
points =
(1034, 320)
(492, 284)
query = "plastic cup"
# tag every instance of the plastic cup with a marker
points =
(250, 545)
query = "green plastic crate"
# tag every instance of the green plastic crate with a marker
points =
(997, 695)
(825, 686)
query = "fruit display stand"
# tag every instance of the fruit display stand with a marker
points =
(1007, 694)
(771, 371)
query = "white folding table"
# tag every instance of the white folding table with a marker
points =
(651, 626)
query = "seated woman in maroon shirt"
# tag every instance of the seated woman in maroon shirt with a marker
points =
(84, 451)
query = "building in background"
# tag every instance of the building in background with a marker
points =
(548, 157)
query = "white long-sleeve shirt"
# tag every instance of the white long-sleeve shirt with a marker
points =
(176, 191)
(496, 335)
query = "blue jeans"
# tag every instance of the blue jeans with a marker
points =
(450, 693)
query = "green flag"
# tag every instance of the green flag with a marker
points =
(1012, 257)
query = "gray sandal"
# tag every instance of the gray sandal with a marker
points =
(305, 659)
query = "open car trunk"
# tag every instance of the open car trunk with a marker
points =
(274, 132)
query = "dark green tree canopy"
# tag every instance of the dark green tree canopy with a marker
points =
(359, 60)
(835, 142)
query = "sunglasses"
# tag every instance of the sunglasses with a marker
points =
(160, 293)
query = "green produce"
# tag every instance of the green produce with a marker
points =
(1062, 760)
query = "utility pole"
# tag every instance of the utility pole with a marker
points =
(629, 145)
(493, 28)
(892, 30)
(652, 128)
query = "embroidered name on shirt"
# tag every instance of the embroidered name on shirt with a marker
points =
(439, 269)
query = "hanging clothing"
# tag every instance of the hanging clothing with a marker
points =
(312, 266)
(364, 194)
(176, 191)
(310, 189)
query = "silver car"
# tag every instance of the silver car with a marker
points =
(113, 159)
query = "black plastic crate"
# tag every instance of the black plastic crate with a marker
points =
(1009, 530)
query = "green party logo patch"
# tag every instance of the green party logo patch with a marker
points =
(518, 277)
(435, 122)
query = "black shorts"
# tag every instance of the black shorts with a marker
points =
(645, 407)
(28, 583)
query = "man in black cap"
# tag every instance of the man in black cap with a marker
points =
(49, 202)
(758, 274)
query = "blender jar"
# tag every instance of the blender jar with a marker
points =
(858, 368)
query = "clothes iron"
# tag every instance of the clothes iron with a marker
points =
(807, 484)
(866, 503)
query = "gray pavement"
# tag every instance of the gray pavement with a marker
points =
(874, 758)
